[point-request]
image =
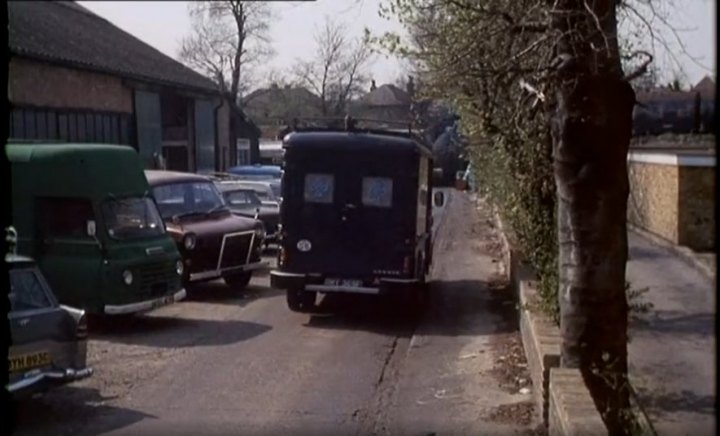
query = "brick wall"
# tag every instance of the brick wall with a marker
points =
(673, 196)
(47, 85)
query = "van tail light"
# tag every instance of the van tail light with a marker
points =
(81, 331)
(282, 257)
(407, 264)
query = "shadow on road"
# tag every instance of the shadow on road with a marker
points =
(218, 292)
(671, 402)
(66, 410)
(458, 308)
(173, 332)
(677, 322)
(378, 314)
(469, 308)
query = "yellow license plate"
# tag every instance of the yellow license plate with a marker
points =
(28, 361)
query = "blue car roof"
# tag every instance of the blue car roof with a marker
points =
(256, 170)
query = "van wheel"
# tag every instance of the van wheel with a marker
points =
(299, 300)
(238, 282)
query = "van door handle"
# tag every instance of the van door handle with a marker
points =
(23, 322)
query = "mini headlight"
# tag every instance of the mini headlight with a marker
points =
(189, 241)
(127, 277)
(179, 267)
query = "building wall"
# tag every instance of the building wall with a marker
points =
(673, 196)
(47, 85)
(223, 137)
(652, 203)
(696, 226)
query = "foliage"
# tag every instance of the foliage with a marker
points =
(510, 147)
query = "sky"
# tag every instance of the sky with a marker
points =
(162, 24)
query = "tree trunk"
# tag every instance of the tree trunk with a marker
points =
(591, 130)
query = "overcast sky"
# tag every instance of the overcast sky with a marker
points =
(163, 24)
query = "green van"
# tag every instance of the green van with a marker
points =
(85, 213)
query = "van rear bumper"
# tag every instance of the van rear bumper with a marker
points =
(144, 306)
(314, 283)
(33, 379)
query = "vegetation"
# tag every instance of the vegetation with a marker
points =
(547, 107)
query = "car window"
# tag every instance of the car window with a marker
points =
(69, 217)
(241, 198)
(319, 188)
(377, 191)
(27, 291)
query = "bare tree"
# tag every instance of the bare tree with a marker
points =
(228, 39)
(337, 72)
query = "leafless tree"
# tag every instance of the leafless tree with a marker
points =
(337, 72)
(228, 39)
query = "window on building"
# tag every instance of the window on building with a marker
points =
(69, 125)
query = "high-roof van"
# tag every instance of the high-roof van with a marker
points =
(86, 214)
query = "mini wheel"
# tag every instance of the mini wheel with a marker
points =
(238, 281)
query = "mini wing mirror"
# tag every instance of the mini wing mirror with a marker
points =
(90, 228)
(439, 199)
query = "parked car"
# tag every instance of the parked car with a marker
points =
(214, 242)
(84, 212)
(245, 202)
(267, 191)
(356, 214)
(48, 340)
(257, 171)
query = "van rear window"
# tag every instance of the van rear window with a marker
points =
(319, 188)
(377, 191)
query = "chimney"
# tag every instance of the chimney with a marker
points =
(410, 87)
(372, 86)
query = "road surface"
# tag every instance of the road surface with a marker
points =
(223, 362)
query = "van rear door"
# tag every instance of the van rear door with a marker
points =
(358, 215)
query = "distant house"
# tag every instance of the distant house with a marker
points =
(386, 102)
(73, 76)
(663, 110)
(276, 106)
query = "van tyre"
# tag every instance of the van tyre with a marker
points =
(238, 282)
(299, 300)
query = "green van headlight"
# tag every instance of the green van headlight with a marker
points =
(179, 267)
(127, 277)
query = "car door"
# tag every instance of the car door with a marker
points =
(41, 332)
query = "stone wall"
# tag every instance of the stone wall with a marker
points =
(672, 195)
(46, 85)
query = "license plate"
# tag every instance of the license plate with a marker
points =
(28, 361)
(344, 282)
(164, 301)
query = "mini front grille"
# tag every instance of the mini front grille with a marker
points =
(236, 250)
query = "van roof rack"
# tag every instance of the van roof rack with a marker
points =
(352, 124)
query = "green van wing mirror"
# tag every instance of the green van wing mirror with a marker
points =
(90, 228)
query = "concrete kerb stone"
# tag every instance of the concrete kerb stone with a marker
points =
(571, 411)
(684, 253)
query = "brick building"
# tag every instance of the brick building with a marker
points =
(73, 76)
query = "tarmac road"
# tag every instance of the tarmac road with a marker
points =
(242, 363)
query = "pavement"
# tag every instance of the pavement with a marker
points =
(243, 363)
(672, 351)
